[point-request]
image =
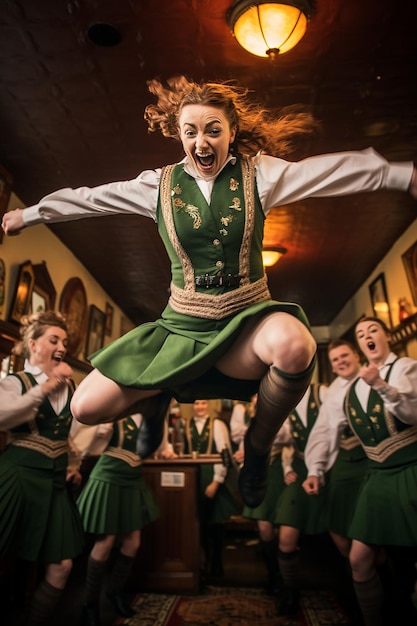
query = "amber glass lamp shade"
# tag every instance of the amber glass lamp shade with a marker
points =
(267, 29)
(270, 256)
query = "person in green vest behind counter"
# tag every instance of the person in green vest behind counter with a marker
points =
(221, 335)
(203, 434)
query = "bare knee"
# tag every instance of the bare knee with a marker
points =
(288, 538)
(285, 342)
(57, 573)
(362, 561)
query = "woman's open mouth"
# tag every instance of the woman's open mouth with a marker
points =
(371, 346)
(205, 160)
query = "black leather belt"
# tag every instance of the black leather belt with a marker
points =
(220, 280)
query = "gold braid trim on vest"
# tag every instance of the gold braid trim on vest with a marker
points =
(127, 456)
(48, 447)
(350, 443)
(189, 302)
(217, 307)
(383, 450)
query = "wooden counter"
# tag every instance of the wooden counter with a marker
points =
(169, 557)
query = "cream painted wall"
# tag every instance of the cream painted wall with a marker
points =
(38, 244)
(396, 282)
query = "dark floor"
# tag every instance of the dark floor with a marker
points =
(321, 568)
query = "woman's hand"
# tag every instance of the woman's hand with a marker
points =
(239, 456)
(370, 374)
(74, 476)
(290, 478)
(60, 376)
(211, 489)
(312, 485)
(13, 223)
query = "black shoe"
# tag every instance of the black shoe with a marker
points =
(90, 615)
(120, 605)
(275, 586)
(252, 480)
(151, 431)
(288, 602)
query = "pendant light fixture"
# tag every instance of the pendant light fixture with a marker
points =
(267, 29)
(270, 256)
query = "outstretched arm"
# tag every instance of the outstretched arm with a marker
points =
(138, 196)
(13, 223)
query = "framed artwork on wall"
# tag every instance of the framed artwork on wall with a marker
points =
(73, 305)
(410, 265)
(43, 292)
(95, 332)
(379, 299)
(109, 319)
(22, 299)
(6, 182)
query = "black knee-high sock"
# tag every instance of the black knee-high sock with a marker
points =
(370, 599)
(120, 573)
(94, 580)
(44, 600)
(269, 552)
(289, 565)
(278, 394)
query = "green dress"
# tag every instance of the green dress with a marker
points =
(116, 498)
(386, 510)
(295, 507)
(179, 351)
(219, 509)
(345, 481)
(38, 517)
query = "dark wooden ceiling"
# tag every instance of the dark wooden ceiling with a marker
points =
(71, 114)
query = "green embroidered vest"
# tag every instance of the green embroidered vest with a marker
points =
(46, 422)
(300, 432)
(223, 237)
(384, 438)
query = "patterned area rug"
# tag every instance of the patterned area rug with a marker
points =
(231, 606)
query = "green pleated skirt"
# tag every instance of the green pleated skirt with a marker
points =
(346, 479)
(267, 510)
(116, 499)
(178, 353)
(219, 509)
(299, 510)
(386, 510)
(39, 519)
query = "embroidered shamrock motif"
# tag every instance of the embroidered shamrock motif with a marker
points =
(236, 204)
(234, 184)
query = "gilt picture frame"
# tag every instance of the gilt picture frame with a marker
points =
(95, 331)
(22, 298)
(43, 292)
(379, 299)
(109, 319)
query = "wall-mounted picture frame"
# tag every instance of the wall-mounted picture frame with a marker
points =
(73, 306)
(409, 259)
(6, 182)
(22, 298)
(379, 299)
(43, 292)
(95, 331)
(109, 319)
